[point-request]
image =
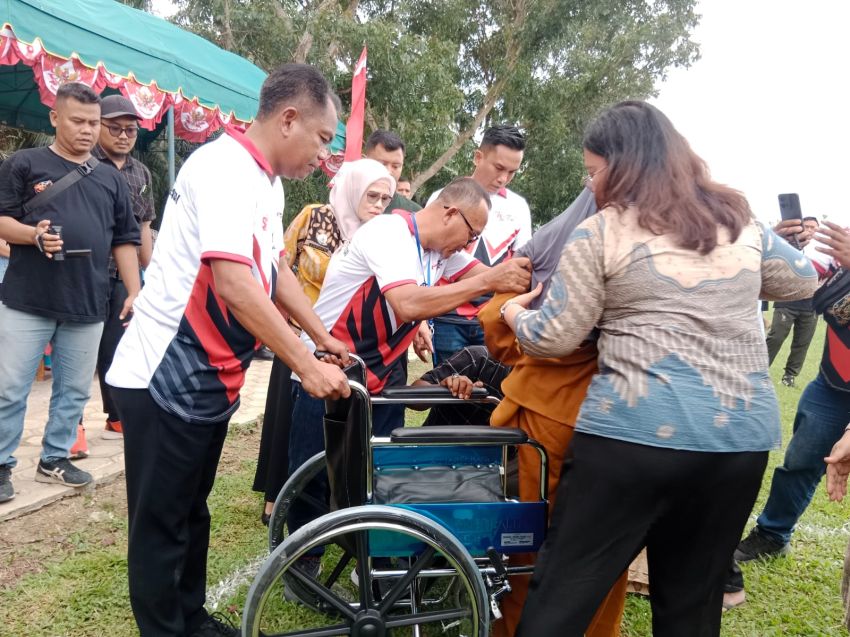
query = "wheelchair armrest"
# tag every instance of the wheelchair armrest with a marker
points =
(422, 392)
(459, 434)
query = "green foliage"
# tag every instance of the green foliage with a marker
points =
(441, 71)
(143, 5)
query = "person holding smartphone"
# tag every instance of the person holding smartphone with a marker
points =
(45, 300)
(794, 317)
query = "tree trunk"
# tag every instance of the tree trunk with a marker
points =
(306, 42)
(227, 30)
(494, 92)
(493, 95)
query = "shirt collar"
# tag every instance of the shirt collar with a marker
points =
(101, 155)
(407, 216)
(248, 145)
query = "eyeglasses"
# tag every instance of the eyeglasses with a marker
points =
(473, 236)
(587, 180)
(115, 131)
(373, 197)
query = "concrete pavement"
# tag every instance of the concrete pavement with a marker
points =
(106, 459)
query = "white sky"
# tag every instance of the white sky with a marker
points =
(764, 105)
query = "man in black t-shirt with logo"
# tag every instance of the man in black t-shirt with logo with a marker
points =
(56, 286)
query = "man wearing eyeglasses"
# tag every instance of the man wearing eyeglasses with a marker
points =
(377, 291)
(496, 162)
(119, 129)
(63, 216)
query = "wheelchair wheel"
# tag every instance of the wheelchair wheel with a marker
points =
(291, 492)
(434, 590)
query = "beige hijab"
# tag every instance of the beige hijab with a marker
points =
(349, 185)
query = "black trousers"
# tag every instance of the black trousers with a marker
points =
(273, 459)
(804, 324)
(170, 469)
(687, 508)
(113, 330)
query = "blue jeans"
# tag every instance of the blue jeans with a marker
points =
(23, 337)
(822, 414)
(307, 438)
(450, 338)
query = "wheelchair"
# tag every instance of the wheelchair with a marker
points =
(417, 533)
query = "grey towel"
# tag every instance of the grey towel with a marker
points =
(545, 247)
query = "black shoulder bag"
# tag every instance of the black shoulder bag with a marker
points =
(41, 199)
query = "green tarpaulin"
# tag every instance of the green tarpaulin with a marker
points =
(126, 42)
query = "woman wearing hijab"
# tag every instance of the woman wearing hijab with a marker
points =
(361, 191)
(672, 439)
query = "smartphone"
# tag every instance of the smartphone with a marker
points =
(86, 252)
(789, 208)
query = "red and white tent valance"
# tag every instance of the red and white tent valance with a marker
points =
(193, 121)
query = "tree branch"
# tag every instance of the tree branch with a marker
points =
(351, 10)
(370, 118)
(227, 31)
(494, 92)
(306, 42)
(490, 99)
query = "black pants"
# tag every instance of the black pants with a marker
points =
(804, 323)
(170, 469)
(113, 330)
(273, 459)
(688, 508)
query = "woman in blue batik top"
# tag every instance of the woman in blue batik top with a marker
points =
(673, 437)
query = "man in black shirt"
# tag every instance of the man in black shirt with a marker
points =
(119, 129)
(55, 289)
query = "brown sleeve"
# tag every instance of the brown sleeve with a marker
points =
(500, 340)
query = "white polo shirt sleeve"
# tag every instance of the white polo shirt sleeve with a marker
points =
(225, 229)
(389, 251)
(459, 264)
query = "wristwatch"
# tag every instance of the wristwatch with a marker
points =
(505, 307)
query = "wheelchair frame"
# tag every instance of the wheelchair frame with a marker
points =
(476, 576)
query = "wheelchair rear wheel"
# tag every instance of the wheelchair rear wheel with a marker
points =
(436, 589)
(291, 492)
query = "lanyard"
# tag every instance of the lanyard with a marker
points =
(426, 273)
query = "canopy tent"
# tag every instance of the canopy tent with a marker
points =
(103, 43)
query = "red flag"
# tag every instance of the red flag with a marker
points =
(354, 127)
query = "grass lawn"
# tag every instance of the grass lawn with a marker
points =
(63, 574)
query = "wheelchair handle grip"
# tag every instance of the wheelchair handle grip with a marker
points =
(355, 364)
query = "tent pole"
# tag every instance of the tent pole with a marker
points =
(170, 126)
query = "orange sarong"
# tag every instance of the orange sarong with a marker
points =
(543, 397)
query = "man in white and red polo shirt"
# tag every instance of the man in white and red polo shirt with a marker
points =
(380, 287)
(206, 305)
(508, 228)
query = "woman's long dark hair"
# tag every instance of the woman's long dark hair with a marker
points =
(651, 166)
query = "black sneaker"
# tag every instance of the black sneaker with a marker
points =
(264, 354)
(63, 472)
(756, 546)
(295, 591)
(7, 491)
(788, 381)
(217, 625)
